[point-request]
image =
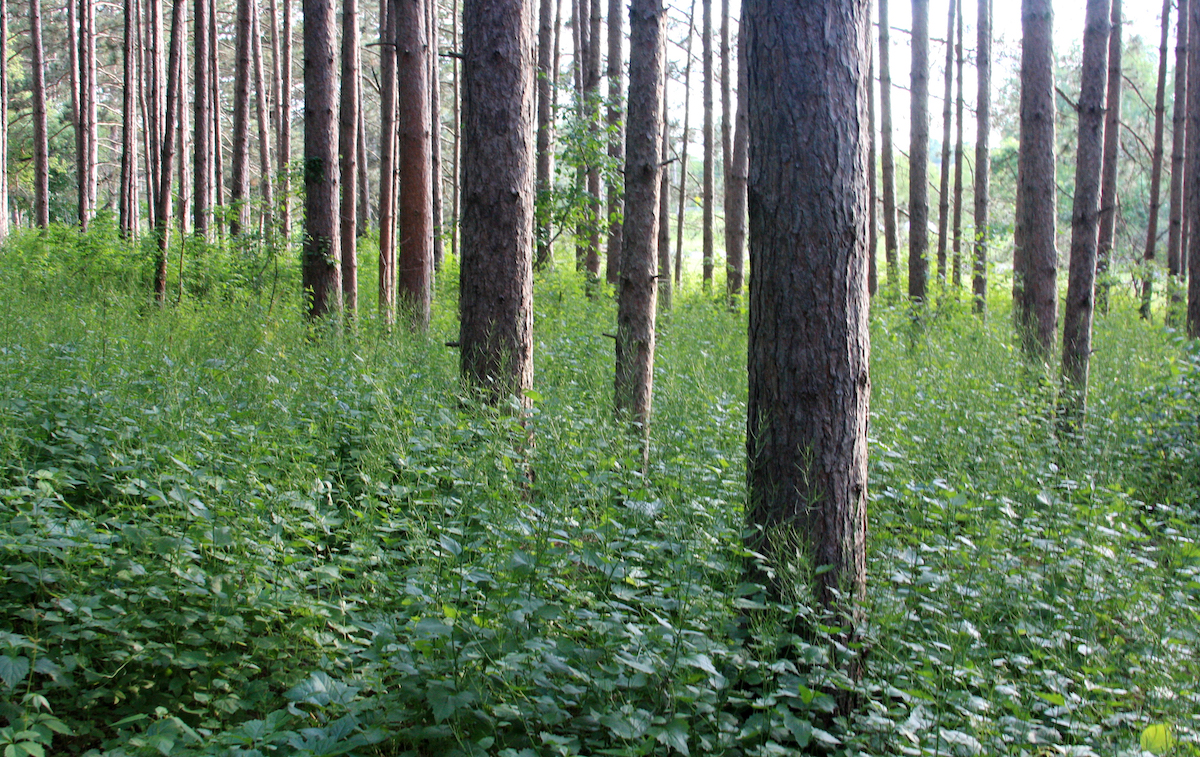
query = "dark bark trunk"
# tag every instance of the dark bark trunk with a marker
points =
(266, 183)
(127, 206)
(1112, 146)
(166, 163)
(321, 270)
(1175, 223)
(41, 152)
(956, 229)
(1193, 169)
(202, 148)
(1160, 96)
(348, 118)
(613, 250)
(684, 140)
(891, 240)
(496, 283)
(983, 160)
(387, 161)
(735, 197)
(664, 203)
(918, 156)
(709, 147)
(944, 182)
(545, 151)
(240, 181)
(414, 266)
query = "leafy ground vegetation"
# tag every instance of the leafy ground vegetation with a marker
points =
(225, 533)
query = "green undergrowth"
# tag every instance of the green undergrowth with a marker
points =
(225, 532)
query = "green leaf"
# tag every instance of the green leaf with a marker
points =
(675, 736)
(13, 669)
(801, 729)
(1158, 738)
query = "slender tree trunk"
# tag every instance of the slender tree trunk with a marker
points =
(183, 207)
(956, 231)
(983, 128)
(918, 156)
(872, 192)
(435, 143)
(218, 140)
(1160, 96)
(266, 184)
(545, 152)
(202, 139)
(616, 142)
(579, 33)
(592, 94)
(735, 191)
(321, 270)
(1112, 146)
(726, 117)
(664, 201)
(456, 178)
(709, 147)
(126, 209)
(277, 97)
(891, 240)
(89, 89)
(154, 84)
(415, 211)
(1035, 257)
(387, 161)
(809, 348)
(145, 50)
(240, 186)
(77, 120)
(284, 153)
(944, 183)
(41, 151)
(496, 282)
(1192, 230)
(364, 186)
(1077, 320)
(1179, 116)
(685, 139)
(171, 113)
(348, 143)
(4, 98)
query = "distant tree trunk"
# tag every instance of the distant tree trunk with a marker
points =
(616, 140)
(171, 128)
(435, 139)
(579, 33)
(709, 147)
(4, 98)
(809, 386)
(216, 107)
(1192, 230)
(685, 139)
(1077, 320)
(545, 151)
(77, 121)
(264, 130)
(348, 116)
(41, 151)
(415, 210)
(456, 177)
(891, 241)
(127, 205)
(1109, 195)
(144, 50)
(89, 94)
(726, 129)
(240, 185)
(664, 203)
(1035, 266)
(1179, 135)
(918, 156)
(364, 186)
(321, 270)
(636, 307)
(983, 128)
(1160, 96)
(202, 139)
(284, 152)
(944, 183)
(183, 207)
(155, 90)
(872, 192)
(735, 197)
(496, 282)
(591, 91)
(956, 235)
(387, 161)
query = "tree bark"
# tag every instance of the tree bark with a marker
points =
(685, 139)
(956, 230)
(634, 382)
(1160, 96)
(983, 129)
(872, 193)
(809, 347)
(4, 98)
(155, 87)
(545, 151)
(664, 201)
(944, 183)
(41, 151)
(918, 156)
(77, 121)
(88, 106)
(456, 177)
(1112, 146)
(218, 138)
(264, 131)
(616, 139)
(591, 92)
(709, 147)
(348, 118)
(1077, 320)
(727, 127)
(887, 160)
(387, 161)
(284, 153)
(322, 273)
(364, 186)
(183, 207)
(1193, 169)
(202, 148)
(127, 205)
(415, 210)
(166, 163)
(496, 283)
(1179, 116)
(240, 184)
(435, 139)
(1035, 266)
(735, 200)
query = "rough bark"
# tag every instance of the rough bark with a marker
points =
(545, 128)
(73, 74)
(414, 266)
(348, 117)
(41, 152)
(435, 138)
(1178, 140)
(284, 152)
(735, 192)
(266, 182)
(1192, 230)
(616, 139)
(726, 132)
(887, 159)
(809, 385)
(956, 227)
(684, 140)
(127, 203)
(496, 283)
(239, 187)
(4, 98)
(872, 192)
(1112, 147)
(918, 156)
(171, 129)
(202, 147)
(591, 92)
(664, 201)
(636, 307)
(387, 161)
(1035, 257)
(321, 269)
(983, 160)
(1160, 96)
(709, 147)
(944, 183)
(1077, 320)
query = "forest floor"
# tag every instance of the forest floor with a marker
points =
(226, 533)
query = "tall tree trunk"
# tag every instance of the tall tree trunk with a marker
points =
(41, 151)
(545, 152)
(218, 140)
(809, 348)
(435, 143)
(456, 178)
(634, 382)
(1192, 230)
(415, 211)
(4, 98)
(735, 188)
(664, 200)
(983, 130)
(348, 143)
(89, 96)
(918, 156)
(684, 139)
(891, 240)
(1112, 146)
(277, 97)
(240, 186)
(387, 161)
(579, 33)
(709, 147)
(183, 207)
(1179, 116)
(155, 86)
(266, 183)
(872, 192)
(956, 230)
(1160, 96)
(171, 127)
(944, 183)
(364, 185)
(616, 142)
(726, 118)
(77, 121)
(127, 209)
(496, 282)
(202, 138)
(591, 87)
(284, 152)
(321, 270)
(144, 47)
(1077, 320)
(1035, 265)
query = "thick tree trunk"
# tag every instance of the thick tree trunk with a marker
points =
(415, 210)
(348, 116)
(387, 161)
(1179, 116)
(1035, 265)
(735, 191)
(809, 348)
(321, 270)
(634, 382)
(202, 139)
(944, 183)
(616, 142)
(1077, 320)
(1160, 96)
(41, 151)
(127, 205)
(240, 185)
(496, 282)
(166, 163)
(545, 151)
(956, 229)
(1112, 147)
(1192, 230)
(891, 240)
(918, 156)
(983, 129)
(684, 139)
(709, 147)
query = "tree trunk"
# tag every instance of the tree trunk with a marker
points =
(579, 33)
(636, 307)
(415, 210)
(1077, 320)
(322, 273)
(983, 128)
(664, 201)
(146, 71)
(202, 139)
(284, 152)
(872, 193)
(435, 139)
(364, 186)
(685, 139)
(183, 207)
(956, 230)
(545, 151)
(1112, 146)
(1192, 230)
(1179, 116)
(918, 156)
(496, 282)
(166, 163)
(77, 121)
(709, 147)
(240, 185)
(127, 205)
(891, 241)
(591, 92)
(41, 151)
(1160, 95)
(1035, 265)
(944, 183)
(89, 94)
(456, 178)
(264, 131)
(614, 250)
(4, 98)
(387, 161)
(735, 189)
(155, 88)
(809, 385)
(348, 144)
(218, 139)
